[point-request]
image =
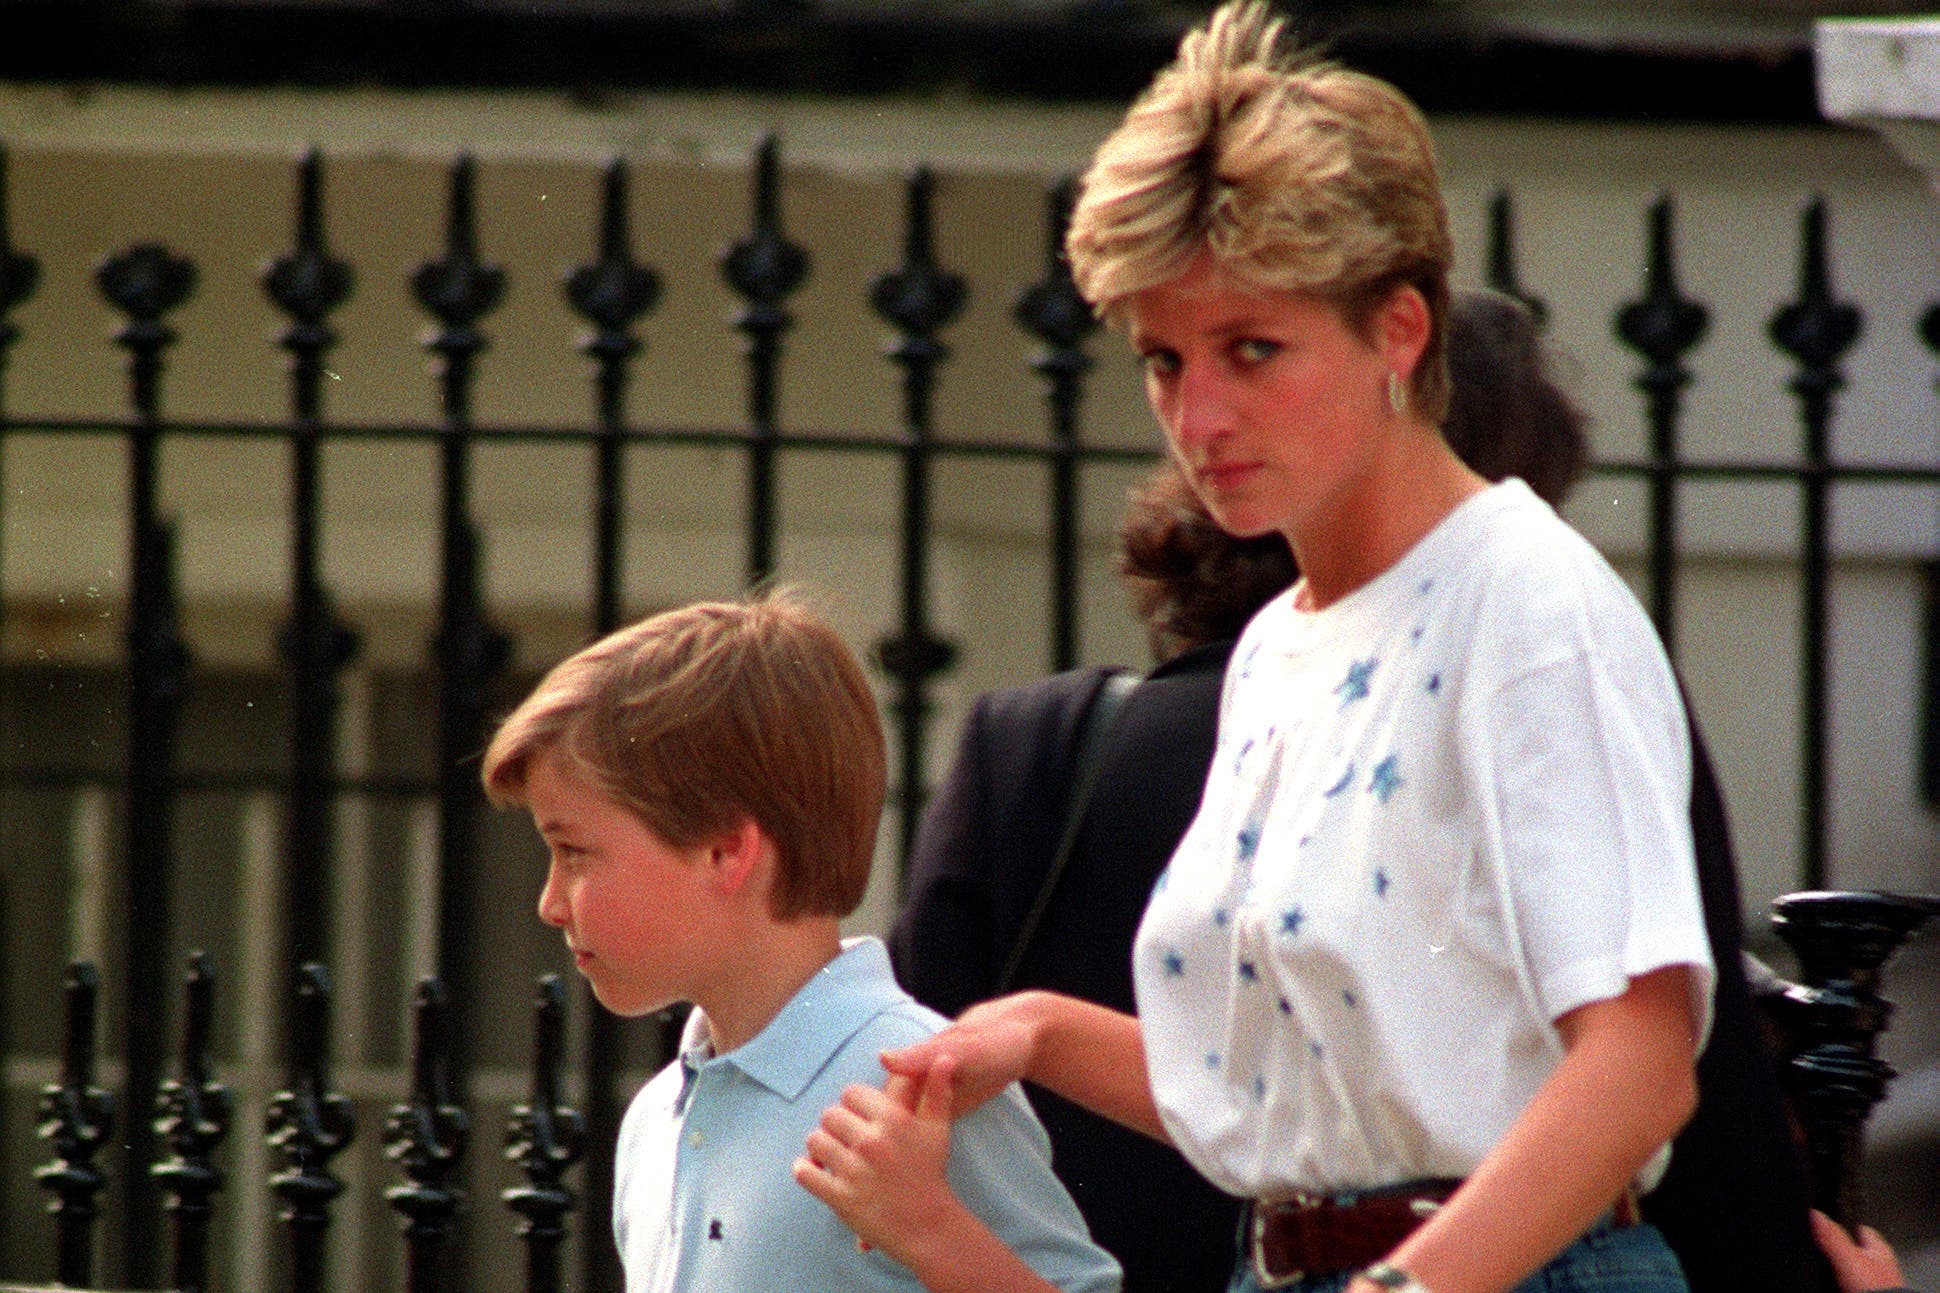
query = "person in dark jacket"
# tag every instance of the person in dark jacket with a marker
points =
(1733, 1204)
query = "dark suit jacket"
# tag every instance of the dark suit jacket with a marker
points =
(981, 854)
(1733, 1204)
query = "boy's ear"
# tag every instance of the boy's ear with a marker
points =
(736, 856)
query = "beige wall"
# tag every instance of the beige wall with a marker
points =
(211, 174)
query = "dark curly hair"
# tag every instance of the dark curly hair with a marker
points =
(1192, 583)
(1508, 416)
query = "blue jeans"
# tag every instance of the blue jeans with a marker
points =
(1634, 1259)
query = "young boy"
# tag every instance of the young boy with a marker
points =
(708, 784)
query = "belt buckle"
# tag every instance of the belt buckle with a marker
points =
(1256, 1250)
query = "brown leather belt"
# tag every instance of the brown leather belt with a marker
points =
(1324, 1234)
(1321, 1234)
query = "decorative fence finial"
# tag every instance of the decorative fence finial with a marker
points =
(75, 1115)
(1500, 271)
(1816, 329)
(1053, 311)
(544, 1139)
(192, 1118)
(308, 1125)
(1662, 326)
(460, 290)
(307, 283)
(764, 268)
(427, 1136)
(19, 275)
(611, 292)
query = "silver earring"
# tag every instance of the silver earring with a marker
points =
(1397, 393)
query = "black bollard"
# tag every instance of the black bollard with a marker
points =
(1833, 1017)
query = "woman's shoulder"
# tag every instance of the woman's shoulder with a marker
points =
(1524, 554)
(1543, 592)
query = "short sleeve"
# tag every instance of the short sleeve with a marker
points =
(1000, 1167)
(1592, 771)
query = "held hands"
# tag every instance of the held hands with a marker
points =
(989, 1047)
(879, 1158)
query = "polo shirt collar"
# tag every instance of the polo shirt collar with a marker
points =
(805, 1035)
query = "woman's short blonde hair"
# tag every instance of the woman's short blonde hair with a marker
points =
(1294, 173)
(698, 719)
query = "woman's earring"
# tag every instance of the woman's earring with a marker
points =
(1397, 393)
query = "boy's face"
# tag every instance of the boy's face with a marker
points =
(633, 907)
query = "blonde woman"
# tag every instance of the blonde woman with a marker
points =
(1426, 978)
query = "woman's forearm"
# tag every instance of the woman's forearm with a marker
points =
(1090, 1054)
(1624, 1088)
(1094, 1056)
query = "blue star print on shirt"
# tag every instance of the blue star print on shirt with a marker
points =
(1386, 779)
(1290, 921)
(1249, 841)
(1354, 686)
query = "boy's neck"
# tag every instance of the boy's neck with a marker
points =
(768, 969)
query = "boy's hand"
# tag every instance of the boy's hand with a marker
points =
(989, 1047)
(879, 1159)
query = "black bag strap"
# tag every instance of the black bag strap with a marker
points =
(1100, 718)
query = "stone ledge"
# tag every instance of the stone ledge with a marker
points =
(1884, 73)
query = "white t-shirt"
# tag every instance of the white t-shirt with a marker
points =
(1443, 812)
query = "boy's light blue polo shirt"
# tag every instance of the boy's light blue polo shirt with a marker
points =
(704, 1198)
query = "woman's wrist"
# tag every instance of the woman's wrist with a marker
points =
(1035, 1013)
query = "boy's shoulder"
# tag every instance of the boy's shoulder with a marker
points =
(835, 1028)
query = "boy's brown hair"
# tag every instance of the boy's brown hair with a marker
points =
(700, 718)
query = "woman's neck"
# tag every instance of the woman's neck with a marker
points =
(1411, 492)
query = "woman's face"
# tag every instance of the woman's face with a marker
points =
(1272, 405)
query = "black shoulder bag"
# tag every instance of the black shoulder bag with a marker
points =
(1089, 758)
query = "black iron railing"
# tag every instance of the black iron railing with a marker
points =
(1832, 1018)
(920, 298)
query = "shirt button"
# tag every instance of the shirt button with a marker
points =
(695, 1140)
